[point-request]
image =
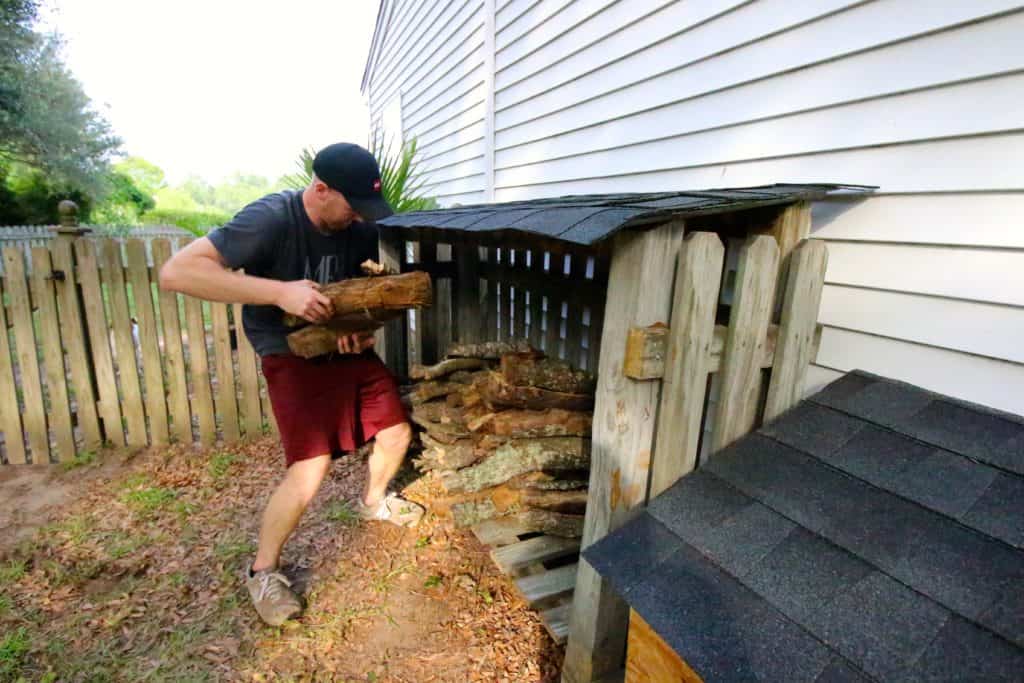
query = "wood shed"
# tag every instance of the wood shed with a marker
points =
(696, 311)
(875, 532)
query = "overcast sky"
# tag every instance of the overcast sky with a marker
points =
(216, 86)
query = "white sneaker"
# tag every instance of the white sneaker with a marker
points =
(393, 508)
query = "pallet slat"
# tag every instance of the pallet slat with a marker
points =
(199, 371)
(127, 368)
(10, 413)
(174, 354)
(512, 558)
(547, 585)
(500, 531)
(34, 417)
(59, 413)
(149, 341)
(248, 378)
(224, 397)
(556, 621)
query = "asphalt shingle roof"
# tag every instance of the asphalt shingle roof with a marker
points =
(874, 532)
(587, 219)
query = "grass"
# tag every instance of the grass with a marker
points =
(432, 581)
(149, 500)
(219, 465)
(12, 571)
(81, 459)
(13, 654)
(341, 511)
(234, 549)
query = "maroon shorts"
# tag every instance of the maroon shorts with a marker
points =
(330, 404)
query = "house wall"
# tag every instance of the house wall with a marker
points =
(924, 98)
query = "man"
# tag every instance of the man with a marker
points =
(289, 244)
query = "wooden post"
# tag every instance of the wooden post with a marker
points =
(639, 294)
(174, 354)
(469, 304)
(795, 347)
(688, 355)
(391, 339)
(149, 340)
(744, 347)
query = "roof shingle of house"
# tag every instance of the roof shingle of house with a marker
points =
(873, 532)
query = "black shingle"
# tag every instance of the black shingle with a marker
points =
(878, 400)
(627, 557)
(600, 224)
(840, 671)
(556, 220)
(697, 503)
(978, 435)
(946, 482)
(879, 456)
(964, 652)
(999, 511)
(1006, 615)
(813, 429)
(836, 394)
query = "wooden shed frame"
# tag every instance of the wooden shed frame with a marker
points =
(655, 312)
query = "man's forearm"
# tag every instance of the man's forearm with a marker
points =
(206, 279)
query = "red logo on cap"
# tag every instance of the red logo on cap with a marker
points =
(376, 185)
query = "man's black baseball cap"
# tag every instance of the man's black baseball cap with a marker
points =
(352, 171)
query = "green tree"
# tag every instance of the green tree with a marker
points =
(147, 176)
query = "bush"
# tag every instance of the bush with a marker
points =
(196, 222)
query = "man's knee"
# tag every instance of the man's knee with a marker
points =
(304, 476)
(395, 438)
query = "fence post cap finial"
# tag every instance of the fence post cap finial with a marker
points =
(68, 212)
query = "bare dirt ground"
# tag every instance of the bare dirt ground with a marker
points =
(130, 569)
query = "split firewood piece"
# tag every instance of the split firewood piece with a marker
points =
(439, 411)
(445, 456)
(374, 269)
(498, 392)
(446, 367)
(500, 500)
(543, 521)
(526, 370)
(490, 350)
(551, 481)
(446, 433)
(316, 340)
(519, 456)
(383, 293)
(426, 391)
(530, 423)
(478, 423)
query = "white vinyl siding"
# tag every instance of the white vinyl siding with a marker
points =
(924, 98)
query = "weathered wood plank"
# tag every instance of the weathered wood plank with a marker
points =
(547, 585)
(59, 412)
(556, 621)
(736, 410)
(34, 416)
(512, 558)
(649, 659)
(491, 330)
(174, 354)
(688, 359)
(624, 421)
(121, 324)
(796, 346)
(149, 340)
(468, 302)
(574, 313)
(109, 403)
(511, 316)
(248, 378)
(500, 531)
(535, 331)
(391, 339)
(224, 398)
(791, 226)
(199, 371)
(442, 306)
(602, 263)
(646, 348)
(10, 412)
(73, 335)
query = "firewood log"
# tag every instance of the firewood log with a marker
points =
(316, 340)
(526, 370)
(383, 293)
(446, 367)
(520, 456)
(426, 391)
(550, 481)
(530, 423)
(489, 350)
(544, 521)
(440, 431)
(498, 392)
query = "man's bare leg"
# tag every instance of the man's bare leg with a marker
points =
(286, 506)
(388, 451)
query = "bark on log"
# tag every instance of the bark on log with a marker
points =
(501, 500)
(316, 340)
(543, 521)
(446, 367)
(526, 370)
(520, 456)
(440, 431)
(550, 481)
(489, 350)
(426, 391)
(383, 293)
(497, 392)
(532, 423)
(444, 456)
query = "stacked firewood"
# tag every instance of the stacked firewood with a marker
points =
(506, 433)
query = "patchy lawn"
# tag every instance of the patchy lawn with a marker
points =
(137, 576)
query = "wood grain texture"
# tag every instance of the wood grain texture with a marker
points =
(199, 371)
(623, 437)
(59, 411)
(149, 340)
(688, 359)
(109, 403)
(248, 379)
(796, 346)
(736, 410)
(512, 558)
(547, 585)
(225, 397)
(10, 412)
(74, 338)
(391, 339)
(649, 659)
(34, 412)
(132, 406)
(645, 352)
(466, 292)
(173, 350)
(574, 313)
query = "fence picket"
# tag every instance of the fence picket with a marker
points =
(252, 419)
(794, 349)
(28, 362)
(268, 410)
(691, 332)
(744, 344)
(124, 342)
(174, 355)
(10, 413)
(508, 318)
(99, 340)
(535, 331)
(199, 370)
(73, 334)
(491, 330)
(149, 341)
(574, 313)
(224, 397)
(59, 413)
(427, 319)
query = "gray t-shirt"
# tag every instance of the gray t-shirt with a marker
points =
(274, 238)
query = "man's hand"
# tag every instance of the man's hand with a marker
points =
(302, 298)
(356, 342)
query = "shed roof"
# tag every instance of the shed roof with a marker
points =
(873, 532)
(587, 219)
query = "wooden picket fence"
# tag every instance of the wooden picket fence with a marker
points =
(94, 353)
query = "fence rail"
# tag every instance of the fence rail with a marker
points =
(27, 236)
(92, 353)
